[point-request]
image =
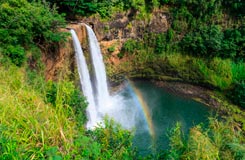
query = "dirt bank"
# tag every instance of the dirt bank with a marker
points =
(198, 93)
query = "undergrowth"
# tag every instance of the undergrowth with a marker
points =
(222, 139)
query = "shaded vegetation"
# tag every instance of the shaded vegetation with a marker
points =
(24, 24)
(237, 94)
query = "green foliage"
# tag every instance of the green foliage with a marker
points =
(23, 24)
(116, 143)
(35, 21)
(81, 7)
(200, 146)
(53, 153)
(160, 43)
(220, 73)
(177, 144)
(220, 140)
(182, 19)
(16, 54)
(8, 147)
(65, 94)
(107, 142)
(111, 49)
(236, 7)
(238, 150)
(120, 55)
(234, 43)
(204, 42)
(202, 31)
(51, 93)
(238, 71)
(130, 46)
(237, 94)
(40, 125)
(87, 7)
(85, 148)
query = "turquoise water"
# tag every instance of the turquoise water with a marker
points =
(165, 109)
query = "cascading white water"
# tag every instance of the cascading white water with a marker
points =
(85, 81)
(115, 106)
(100, 102)
(101, 88)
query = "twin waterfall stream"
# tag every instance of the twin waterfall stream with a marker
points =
(95, 91)
(94, 85)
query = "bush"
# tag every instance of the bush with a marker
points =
(221, 139)
(65, 94)
(16, 54)
(233, 44)
(111, 49)
(130, 46)
(204, 42)
(116, 143)
(160, 43)
(24, 23)
(237, 94)
(88, 7)
(236, 7)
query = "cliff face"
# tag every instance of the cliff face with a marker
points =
(111, 34)
(59, 59)
(123, 26)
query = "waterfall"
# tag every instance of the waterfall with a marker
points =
(85, 81)
(95, 89)
(100, 83)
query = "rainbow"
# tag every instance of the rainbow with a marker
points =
(144, 108)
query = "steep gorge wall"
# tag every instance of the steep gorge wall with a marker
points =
(57, 59)
(110, 33)
(119, 28)
(126, 25)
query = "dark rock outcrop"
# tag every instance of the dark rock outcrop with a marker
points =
(122, 25)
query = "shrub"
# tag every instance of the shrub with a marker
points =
(204, 42)
(116, 142)
(237, 94)
(130, 46)
(111, 49)
(221, 139)
(16, 54)
(160, 43)
(235, 7)
(24, 23)
(65, 94)
(120, 55)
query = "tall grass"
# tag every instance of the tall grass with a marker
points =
(26, 119)
(217, 72)
(238, 71)
(222, 139)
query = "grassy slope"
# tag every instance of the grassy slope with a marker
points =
(31, 124)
